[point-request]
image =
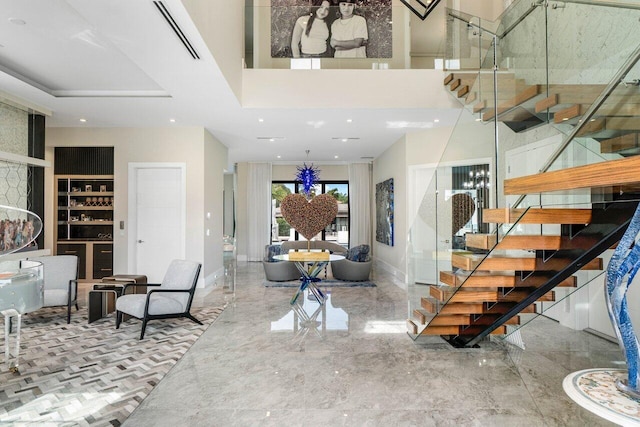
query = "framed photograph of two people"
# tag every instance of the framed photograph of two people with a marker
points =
(331, 29)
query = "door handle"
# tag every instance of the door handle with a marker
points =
(140, 241)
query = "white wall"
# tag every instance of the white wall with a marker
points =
(375, 89)
(220, 24)
(392, 164)
(215, 161)
(175, 144)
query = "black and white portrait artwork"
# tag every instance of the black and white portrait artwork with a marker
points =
(331, 29)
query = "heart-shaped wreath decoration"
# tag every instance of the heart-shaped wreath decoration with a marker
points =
(309, 217)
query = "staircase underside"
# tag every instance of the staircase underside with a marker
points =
(485, 292)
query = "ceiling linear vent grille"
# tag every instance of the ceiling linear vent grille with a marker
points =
(174, 26)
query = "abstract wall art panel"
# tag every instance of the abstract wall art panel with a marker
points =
(384, 212)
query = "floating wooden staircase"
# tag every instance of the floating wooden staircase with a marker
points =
(524, 105)
(485, 292)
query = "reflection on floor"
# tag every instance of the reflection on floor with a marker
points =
(352, 363)
(307, 315)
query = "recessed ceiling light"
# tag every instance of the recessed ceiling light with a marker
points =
(436, 120)
(279, 156)
(17, 21)
(261, 120)
(271, 139)
(83, 120)
(349, 120)
(172, 120)
(404, 125)
(344, 139)
(335, 157)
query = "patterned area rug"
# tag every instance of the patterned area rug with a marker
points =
(595, 390)
(90, 374)
(323, 283)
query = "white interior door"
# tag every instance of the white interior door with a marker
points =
(157, 218)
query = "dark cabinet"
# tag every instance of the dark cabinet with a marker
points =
(102, 260)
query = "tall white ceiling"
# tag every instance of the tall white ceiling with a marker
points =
(116, 63)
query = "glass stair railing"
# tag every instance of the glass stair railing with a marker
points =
(555, 109)
(501, 275)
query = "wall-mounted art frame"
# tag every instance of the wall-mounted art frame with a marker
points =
(377, 15)
(384, 212)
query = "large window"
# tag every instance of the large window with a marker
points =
(337, 231)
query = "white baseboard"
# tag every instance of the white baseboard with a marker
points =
(399, 276)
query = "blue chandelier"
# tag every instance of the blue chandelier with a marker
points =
(308, 176)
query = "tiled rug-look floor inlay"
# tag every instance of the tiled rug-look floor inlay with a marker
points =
(91, 374)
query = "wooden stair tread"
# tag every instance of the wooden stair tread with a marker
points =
(521, 97)
(432, 306)
(611, 112)
(468, 261)
(412, 328)
(480, 240)
(603, 174)
(491, 279)
(459, 330)
(517, 241)
(620, 143)
(421, 315)
(466, 320)
(472, 295)
(586, 95)
(537, 216)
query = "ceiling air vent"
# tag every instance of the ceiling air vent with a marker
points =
(174, 26)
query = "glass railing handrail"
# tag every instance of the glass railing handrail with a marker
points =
(624, 4)
(517, 22)
(471, 24)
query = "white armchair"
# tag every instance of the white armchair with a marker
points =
(60, 281)
(171, 299)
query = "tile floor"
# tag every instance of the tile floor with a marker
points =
(260, 365)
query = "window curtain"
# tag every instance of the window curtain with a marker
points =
(259, 215)
(359, 204)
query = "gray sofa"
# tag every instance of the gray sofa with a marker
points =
(278, 271)
(356, 267)
(334, 248)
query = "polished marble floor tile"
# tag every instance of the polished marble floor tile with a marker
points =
(351, 363)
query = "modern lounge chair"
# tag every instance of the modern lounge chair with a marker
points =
(170, 299)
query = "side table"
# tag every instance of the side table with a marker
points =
(102, 298)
